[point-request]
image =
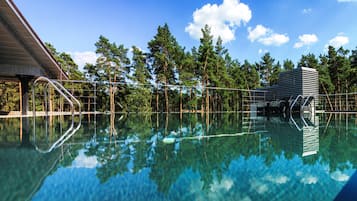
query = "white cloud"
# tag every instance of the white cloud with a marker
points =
(306, 11)
(306, 39)
(226, 184)
(278, 179)
(266, 36)
(339, 176)
(83, 161)
(81, 58)
(259, 186)
(338, 41)
(275, 39)
(223, 19)
(258, 32)
(309, 179)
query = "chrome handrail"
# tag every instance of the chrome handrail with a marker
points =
(69, 94)
(292, 105)
(307, 99)
(65, 93)
(55, 87)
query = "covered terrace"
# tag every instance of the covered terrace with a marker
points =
(23, 56)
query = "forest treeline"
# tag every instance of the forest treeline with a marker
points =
(150, 81)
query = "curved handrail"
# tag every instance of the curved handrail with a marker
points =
(55, 87)
(307, 99)
(65, 93)
(69, 94)
(54, 145)
(293, 104)
(69, 133)
(295, 124)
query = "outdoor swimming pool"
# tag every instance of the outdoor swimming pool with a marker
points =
(159, 157)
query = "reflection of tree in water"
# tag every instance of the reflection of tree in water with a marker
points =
(338, 142)
(140, 146)
(115, 158)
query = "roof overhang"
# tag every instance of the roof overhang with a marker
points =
(22, 53)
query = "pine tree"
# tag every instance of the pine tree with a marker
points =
(112, 67)
(163, 49)
(353, 71)
(309, 61)
(139, 97)
(206, 63)
(288, 65)
(265, 69)
(275, 74)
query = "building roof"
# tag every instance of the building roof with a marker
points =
(22, 53)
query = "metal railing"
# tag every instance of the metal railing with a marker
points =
(69, 98)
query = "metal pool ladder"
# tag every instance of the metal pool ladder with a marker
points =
(304, 100)
(69, 98)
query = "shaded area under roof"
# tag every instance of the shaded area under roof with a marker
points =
(22, 53)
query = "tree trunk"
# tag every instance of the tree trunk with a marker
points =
(327, 96)
(20, 95)
(88, 104)
(181, 101)
(157, 98)
(166, 100)
(190, 99)
(207, 98)
(202, 99)
(339, 92)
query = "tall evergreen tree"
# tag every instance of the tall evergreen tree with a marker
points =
(273, 79)
(141, 70)
(353, 71)
(163, 49)
(139, 97)
(325, 84)
(251, 75)
(206, 62)
(309, 61)
(288, 65)
(66, 62)
(187, 77)
(265, 69)
(338, 65)
(112, 66)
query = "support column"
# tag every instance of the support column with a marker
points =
(25, 93)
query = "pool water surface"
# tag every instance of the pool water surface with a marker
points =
(166, 157)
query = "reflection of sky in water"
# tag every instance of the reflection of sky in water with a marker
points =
(245, 179)
(83, 161)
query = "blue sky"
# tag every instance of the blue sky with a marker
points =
(285, 28)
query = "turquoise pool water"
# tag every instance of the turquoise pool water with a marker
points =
(159, 157)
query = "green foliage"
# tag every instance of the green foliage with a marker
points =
(251, 75)
(139, 98)
(353, 71)
(163, 57)
(66, 62)
(112, 62)
(337, 70)
(265, 69)
(9, 96)
(195, 75)
(288, 65)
